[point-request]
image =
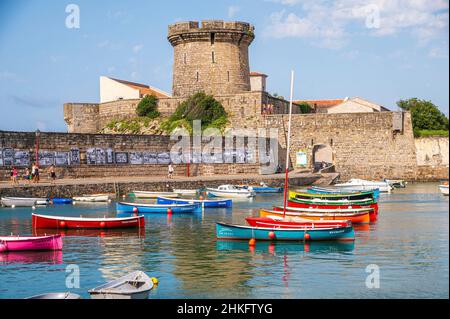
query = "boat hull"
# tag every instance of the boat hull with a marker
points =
(62, 200)
(237, 232)
(158, 208)
(323, 190)
(305, 204)
(99, 198)
(355, 218)
(293, 223)
(444, 189)
(219, 203)
(14, 243)
(335, 196)
(51, 222)
(145, 194)
(230, 194)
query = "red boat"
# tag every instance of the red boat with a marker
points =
(373, 214)
(44, 221)
(295, 222)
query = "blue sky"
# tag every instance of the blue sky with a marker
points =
(377, 49)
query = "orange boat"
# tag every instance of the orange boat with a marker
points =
(355, 217)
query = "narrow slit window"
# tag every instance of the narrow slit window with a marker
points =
(228, 76)
(184, 58)
(197, 76)
(213, 38)
(212, 57)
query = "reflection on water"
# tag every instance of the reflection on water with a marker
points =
(409, 243)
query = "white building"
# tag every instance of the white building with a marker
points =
(347, 105)
(114, 89)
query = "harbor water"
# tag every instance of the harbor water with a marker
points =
(408, 247)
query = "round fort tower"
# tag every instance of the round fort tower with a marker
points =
(212, 57)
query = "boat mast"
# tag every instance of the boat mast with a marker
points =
(288, 146)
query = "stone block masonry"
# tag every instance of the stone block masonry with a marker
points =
(64, 142)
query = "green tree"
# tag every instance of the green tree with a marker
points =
(199, 106)
(425, 115)
(148, 107)
(305, 107)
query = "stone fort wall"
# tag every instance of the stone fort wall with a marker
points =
(363, 145)
(64, 142)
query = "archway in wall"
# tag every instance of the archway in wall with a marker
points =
(322, 156)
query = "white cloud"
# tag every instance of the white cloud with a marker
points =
(138, 47)
(333, 22)
(232, 10)
(438, 53)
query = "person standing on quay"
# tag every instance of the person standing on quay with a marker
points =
(14, 176)
(170, 175)
(33, 172)
(52, 173)
(27, 176)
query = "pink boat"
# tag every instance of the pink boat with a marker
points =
(17, 243)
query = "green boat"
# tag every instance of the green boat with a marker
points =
(351, 196)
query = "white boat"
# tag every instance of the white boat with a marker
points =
(23, 201)
(145, 194)
(136, 285)
(56, 295)
(230, 191)
(444, 189)
(396, 183)
(362, 184)
(92, 198)
(185, 192)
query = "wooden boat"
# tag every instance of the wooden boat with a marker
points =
(92, 198)
(45, 221)
(294, 222)
(396, 183)
(365, 185)
(145, 194)
(18, 243)
(125, 207)
(444, 189)
(23, 201)
(206, 203)
(184, 192)
(58, 200)
(327, 209)
(334, 196)
(324, 190)
(56, 295)
(136, 285)
(230, 191)
(238, 232)
(355, 218)
(263, 188)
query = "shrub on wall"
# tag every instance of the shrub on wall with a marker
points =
(305, 107)
(148, 107)
(199, 106)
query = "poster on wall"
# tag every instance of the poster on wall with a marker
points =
(164, 158)
(149, 158)
(301, 159)
(95, 156)
(228, 156)
(22, 158)
(249, 156)
(196, 157)
(109, 156)
(240, 156)
(74, 156)
(46, 158)
(136, 158)
(121, 157)
(8, 156)
(62, 158)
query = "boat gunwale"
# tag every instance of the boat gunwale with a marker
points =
(88, 219)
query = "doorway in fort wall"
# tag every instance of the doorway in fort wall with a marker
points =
(322, 158)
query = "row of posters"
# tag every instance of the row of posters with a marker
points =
(99, 156)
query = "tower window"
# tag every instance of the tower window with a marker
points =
(212, 57)
(213, 36)
(228, 76)
(197, 76)
(184, 58)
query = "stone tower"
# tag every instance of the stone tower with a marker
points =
(212, 57)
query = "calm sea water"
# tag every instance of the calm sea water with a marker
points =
(409, 243)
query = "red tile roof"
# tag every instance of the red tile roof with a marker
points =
(143, 89)
(321, 103)
(257, 74)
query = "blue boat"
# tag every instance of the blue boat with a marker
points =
(123, 207)
(238, 232)
(207, 203)
(323, 190)
(57, 200)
